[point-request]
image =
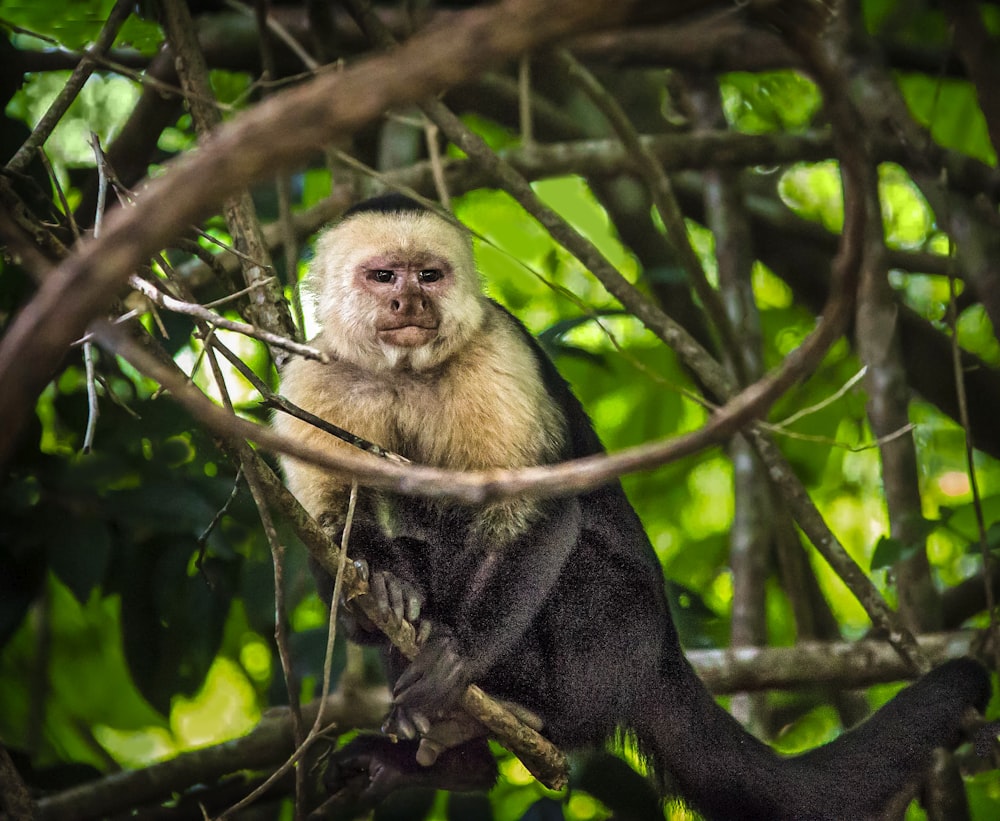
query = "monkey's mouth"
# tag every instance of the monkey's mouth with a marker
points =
(408, 336)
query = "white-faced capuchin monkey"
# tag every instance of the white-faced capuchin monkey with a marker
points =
(554, 605)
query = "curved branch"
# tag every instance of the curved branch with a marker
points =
(281, 132)
(849, 664)
(748, 669)
(480, 487)
(266, 746)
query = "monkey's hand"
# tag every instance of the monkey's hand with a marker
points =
(394, 598)
(430, 686)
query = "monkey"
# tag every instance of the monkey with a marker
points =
(556, 605)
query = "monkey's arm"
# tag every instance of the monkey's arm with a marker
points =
(498, 604)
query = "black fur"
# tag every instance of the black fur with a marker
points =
(392, 203)
(572, 622)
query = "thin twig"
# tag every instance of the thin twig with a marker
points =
(283, 34)
(116, 399)
(664, 200)
(278, 402)
(240, 255)
(412, 193)
(223, 300)
(431, 132)
(93, 408)
(281, 627)
(977, 500)
(67, 213)
(275, 401)
(102, 183)
(153, 294)
(829, 441)
(202, 540)
(829, 400)
(524, 102)
(338, 587)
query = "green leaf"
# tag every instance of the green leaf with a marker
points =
(79, 556)
(889, 551)
(992, 537)
(172, 619)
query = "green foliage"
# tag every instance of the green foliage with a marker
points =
(101, 107)
(72, 650)
(769, 101)
(138, 595)
(75, 24)
(949, 109)
(131, 631)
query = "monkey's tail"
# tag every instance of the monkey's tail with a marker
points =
(725, 773)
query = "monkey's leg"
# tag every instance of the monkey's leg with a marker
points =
(365, 771)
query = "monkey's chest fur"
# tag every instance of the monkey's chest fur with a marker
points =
(485, 407)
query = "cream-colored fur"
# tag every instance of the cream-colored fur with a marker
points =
(475, 401)
(347, 315)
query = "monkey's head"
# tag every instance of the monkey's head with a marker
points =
(396, 286)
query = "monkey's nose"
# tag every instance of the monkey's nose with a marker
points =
(407, 305)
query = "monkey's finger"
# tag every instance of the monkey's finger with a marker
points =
(439, 687)
(398, 723)
(378, 783)
(423, 631)
(377, 587)
(421, 723)
(410, 723)
(394, 589)
(361, 568)
(414, 604)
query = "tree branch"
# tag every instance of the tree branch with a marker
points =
(725, 672)
(265, 747)
(279, 133)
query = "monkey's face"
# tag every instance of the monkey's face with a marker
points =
(396, 290)
(406, 291)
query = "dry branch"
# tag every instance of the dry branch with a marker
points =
(841, 664)
(266, 746)
(281, 132)
(202, 313)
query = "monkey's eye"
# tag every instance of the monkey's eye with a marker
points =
(383, 275)
(431, 275)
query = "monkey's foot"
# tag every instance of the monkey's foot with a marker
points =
(394, 598)
(369, 768)
(436, 678)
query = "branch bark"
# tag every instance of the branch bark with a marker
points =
(725, 672)
(265, 747)
(279, 133)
